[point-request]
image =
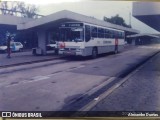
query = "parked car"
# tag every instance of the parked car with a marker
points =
(3, 49)
(53, 46)
(15, 46)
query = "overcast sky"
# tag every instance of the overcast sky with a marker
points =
(94, 8)
(98, 9)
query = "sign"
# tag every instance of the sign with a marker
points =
(72, 25)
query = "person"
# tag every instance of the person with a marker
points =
(8, 47)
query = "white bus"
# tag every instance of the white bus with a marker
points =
(83, 39)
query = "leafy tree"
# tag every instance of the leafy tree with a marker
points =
(16, 7)
(4, 6)
(28, 10)
(116, 20)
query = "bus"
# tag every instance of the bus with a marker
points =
(84, 39)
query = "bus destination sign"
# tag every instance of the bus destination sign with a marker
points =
(72, 25)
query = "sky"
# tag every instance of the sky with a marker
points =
(93, 8)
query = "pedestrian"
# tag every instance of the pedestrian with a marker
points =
(8, 46)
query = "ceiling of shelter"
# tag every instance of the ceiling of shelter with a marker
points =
(151, 20)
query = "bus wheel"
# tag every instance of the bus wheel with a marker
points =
(94, 53)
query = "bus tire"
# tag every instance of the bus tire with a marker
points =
(94, 53)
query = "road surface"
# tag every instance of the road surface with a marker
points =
(55, 85)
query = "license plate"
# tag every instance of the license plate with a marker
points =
(70, 52)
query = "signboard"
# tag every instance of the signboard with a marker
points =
(72, 25)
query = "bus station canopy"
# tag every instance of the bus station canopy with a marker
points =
(143, 35)
(68, 16)
(148, 13)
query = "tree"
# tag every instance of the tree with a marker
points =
(116, 20)
(16, 7)
(4, 6)
(28, 10)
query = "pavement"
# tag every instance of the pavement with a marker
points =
(24, 58)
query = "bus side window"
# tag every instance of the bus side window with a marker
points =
(87, 33)
(109, 34)
(116, 34)
(112, 34)
(106, 33)
(94, 32)
(100, 33)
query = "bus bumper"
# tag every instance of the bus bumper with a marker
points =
(76, 53)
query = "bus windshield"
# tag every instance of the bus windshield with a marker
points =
(71, 34)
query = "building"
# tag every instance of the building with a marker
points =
(148, 13)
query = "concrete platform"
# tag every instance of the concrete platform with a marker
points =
(24, 58)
